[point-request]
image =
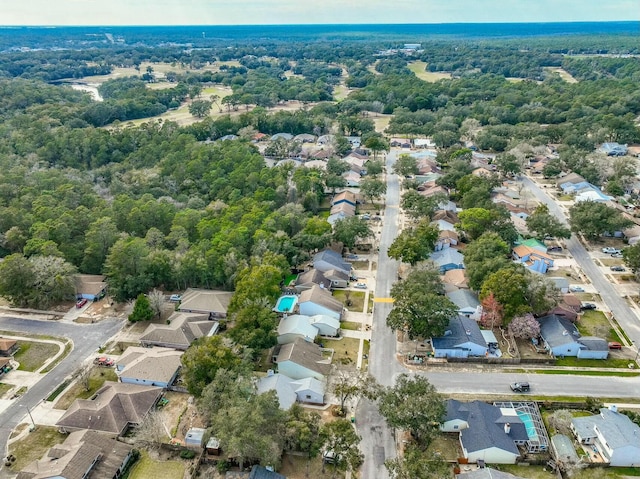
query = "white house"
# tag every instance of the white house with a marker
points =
(327, 326)
(149, 366)
(316, 301)
(612, 435)
(306, 390)
(294, 327)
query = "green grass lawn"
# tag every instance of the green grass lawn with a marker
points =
(594, 363)
(97, 378)
(289, 279)
(300, 467)
(4, 388)
(529, 472)
(147, 468)
(595, 323)
(32, 355)
(419, 69)
(350, 325)
(345, 350)
(34, 445)
(355, 297)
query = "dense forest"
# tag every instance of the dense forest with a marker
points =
(163, 205)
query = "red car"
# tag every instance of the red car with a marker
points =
(615, 345)
(81, 302)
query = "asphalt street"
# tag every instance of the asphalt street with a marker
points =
(87, 338)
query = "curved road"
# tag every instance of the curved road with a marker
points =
(86, 338)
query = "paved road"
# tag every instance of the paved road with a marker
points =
(625, 316)
(378, 443)
(87, 338)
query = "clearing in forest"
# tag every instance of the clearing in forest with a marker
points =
(419, 69)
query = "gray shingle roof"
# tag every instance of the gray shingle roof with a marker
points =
(259, 472)
(205, 301)
(557, 331)
(463, 330)
(487, 473)
(486, 426)
(313, 276)
(183, 329)
(332, 258)
(463, 298)
(321, 297)
(616, 428)
(305, 354)
(150, 364)
(447, 256)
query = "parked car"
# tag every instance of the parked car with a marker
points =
(617, 268)
(555, 249)
(610, 250)
(576, 289)
(617, 255)
(175, 298)
(81, 302)
(361, 285)
(615, 345)
(520, 387)
(587, 306)
(104, 361)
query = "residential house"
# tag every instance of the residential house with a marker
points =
(325, 140)
(344, 197)
(456, 277)
(327, 325)
(430, 191)
(308, 390)
(310, 278)
(613, 149)
(113, 409)
(305, 138)
(83, 454)
(467, 303)
(321, 154)
(346, 208)
(339, 216)
(205, 301)
(424, 143)
(592, 194)
(570, 178)
(301, 359)
(354, 141)
(461, 339)
(444, 225)
(282, 136)
(561, 338)
(574, 188)
(327, 259)
(446, 215)
(294, 327)
(532, 243)
(228, 138)
(632, 234)
(318, 164)
(149, 366)
(261, 472)
(338, 278)
(447, 259)
(483, 172)
(400, 143)
(486, 473)
(446, 239)
(319, 301)
(90, 286)
(532, 259)
(8, 347)
(448, 205)
(352, 178)
(357, 166)
(568, 308)
(182, 330)
(611, 435)
(486, 432)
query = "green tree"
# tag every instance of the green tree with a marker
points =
(141, 310)
(484, 256)
(101, 235)
(125, 268)
(406, 165)
(349, 230)
(508, 164)
(336, 166)
(200, 108)
(372, 188)
(543, 224)
(418, 206)
(16, 279)
(254, 328)
(413, 245)
(340, 437)
(374, 167)
(203, 359)
(302, 431)
(476, 221)
(542, 294)
(593, 219)
(376, 144)
(258, 285)
(553, 168)
(630, 256)
(509, 286)
(420, 308)
(413, 404)
(417, 464)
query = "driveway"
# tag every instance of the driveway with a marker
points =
(86, 338)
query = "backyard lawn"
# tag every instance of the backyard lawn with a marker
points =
(32, 354)
(97, 378)
(147, 468)
(34, 445)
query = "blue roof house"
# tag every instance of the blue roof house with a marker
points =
(561, 338)
(461, 340)
(448, 258)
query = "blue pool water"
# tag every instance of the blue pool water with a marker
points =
(528, 424)
(286, 303)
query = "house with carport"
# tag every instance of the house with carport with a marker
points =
(611, 435)
(462, 339)
(319, 301)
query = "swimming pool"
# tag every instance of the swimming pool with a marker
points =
(528, 424)
(286, 303)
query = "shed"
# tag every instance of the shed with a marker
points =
(194, 437)
(563, 450)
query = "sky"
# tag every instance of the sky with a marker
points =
(265, 12)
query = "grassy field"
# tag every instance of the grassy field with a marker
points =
(32, 355)
(147, 468)
(340, 92)
(355, 297)
(419, 69)
(595, 323)
(97, 378)
(34, 445)
(345, 350)
(381, 122)
(565, 75)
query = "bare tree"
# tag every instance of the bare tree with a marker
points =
(152, 430)
(346, 384)
(560, 420)
(83, 376)
(156, 301)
